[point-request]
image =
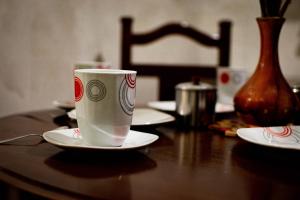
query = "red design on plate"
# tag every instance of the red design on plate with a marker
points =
(285, 132)
(78, 89)
(76, 133)
(130, 80)
(224, 77)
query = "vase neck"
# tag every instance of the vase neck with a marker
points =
(269, 33)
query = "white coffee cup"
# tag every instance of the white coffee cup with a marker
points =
(229, 81)
(104, 101)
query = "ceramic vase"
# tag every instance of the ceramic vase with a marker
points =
(267, 99)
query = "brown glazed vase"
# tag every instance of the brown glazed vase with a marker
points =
(267, 99)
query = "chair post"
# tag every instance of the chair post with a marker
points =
(126, 42)
(225, 42)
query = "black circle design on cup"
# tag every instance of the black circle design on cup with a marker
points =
(95, 90)
(237, 79)
(125, 94)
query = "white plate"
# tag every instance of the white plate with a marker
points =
(71, 139)
(287, 137)
(163, 105)
(142, 117)
(67, 104)
(170, 106)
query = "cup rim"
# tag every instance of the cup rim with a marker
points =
(105, 71)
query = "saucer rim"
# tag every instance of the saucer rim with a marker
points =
(63, 104)
(244, 134)
(158, 105)
(94, 147)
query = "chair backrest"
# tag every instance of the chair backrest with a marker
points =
(170, 75)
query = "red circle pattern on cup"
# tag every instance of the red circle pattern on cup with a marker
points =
(224, 77)
(78, 89)
(130, 80)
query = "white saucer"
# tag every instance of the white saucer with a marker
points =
(142, 117)
(170, 106)
(286, 137)
(71, 139)
(67, 104)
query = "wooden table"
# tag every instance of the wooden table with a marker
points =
(198, 164)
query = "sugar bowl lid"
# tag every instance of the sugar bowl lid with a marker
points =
(190, 86)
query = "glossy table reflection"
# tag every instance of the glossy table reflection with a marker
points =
(180, 165)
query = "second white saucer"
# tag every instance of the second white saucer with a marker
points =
(142, 117)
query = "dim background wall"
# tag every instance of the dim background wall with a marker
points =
(40, 40)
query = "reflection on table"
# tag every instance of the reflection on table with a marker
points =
(182, 164)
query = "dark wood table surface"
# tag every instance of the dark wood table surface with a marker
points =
(190, 164)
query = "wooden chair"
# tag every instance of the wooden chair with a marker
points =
(170, 75)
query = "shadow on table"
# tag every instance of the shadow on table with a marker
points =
(273, 164)
(89, 164)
